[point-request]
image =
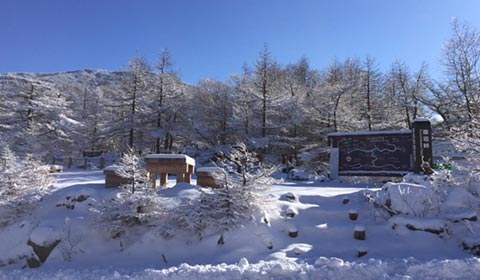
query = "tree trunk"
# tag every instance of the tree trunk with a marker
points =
(369, 108)
(134, 103)
(264, 110)
(160, 105)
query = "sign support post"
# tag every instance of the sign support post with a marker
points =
(422, 139)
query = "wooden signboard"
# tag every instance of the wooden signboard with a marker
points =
(381, 153)
(374, 153)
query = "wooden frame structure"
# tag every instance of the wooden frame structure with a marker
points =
(182, 166)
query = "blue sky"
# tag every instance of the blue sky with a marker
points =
(214, 38)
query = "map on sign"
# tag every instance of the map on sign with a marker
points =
(377, 153)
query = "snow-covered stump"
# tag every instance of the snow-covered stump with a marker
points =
(359, 233)
(293, 232)
(290, 212)
(353, 215)
(362, 251)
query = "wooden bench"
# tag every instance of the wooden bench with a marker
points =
(112, 179)
(182, 166)
(212, 177)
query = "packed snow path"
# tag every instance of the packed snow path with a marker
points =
(324, 247)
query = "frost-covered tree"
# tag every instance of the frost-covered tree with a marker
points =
(371, 89)
(212, 112)
(193, 215)
(244, 101)
(34, 115)
(456, 97)
(245, 182)
(461, 62)
(136, 204)
(91, 114)
(132, 167)
(126, 210)
(334, 104)
(405, 89)
(22, 183)
(166, 91)
(129, 104)
(466, 138)
(298, 82)
(266, 83)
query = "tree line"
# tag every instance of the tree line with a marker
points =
(147, 107)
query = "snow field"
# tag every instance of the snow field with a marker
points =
(324, 247)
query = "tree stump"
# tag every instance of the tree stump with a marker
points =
(361, 252)
(359, 233)
(293, 232)
(353, 215)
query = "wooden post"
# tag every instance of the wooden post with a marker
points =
(84, 163)
(180, 177)
(334, 161)
(102, 163)
(422, 133)
(70, 162)
(163, 179)
(188, 178)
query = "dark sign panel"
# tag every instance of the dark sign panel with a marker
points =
(374, 153)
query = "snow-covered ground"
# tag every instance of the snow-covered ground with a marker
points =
(324, 248)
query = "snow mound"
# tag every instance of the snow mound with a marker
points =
(460, 198)
(418, 179)
(431, 225)
(410, 199)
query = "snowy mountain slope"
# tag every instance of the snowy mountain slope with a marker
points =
(76, 78)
